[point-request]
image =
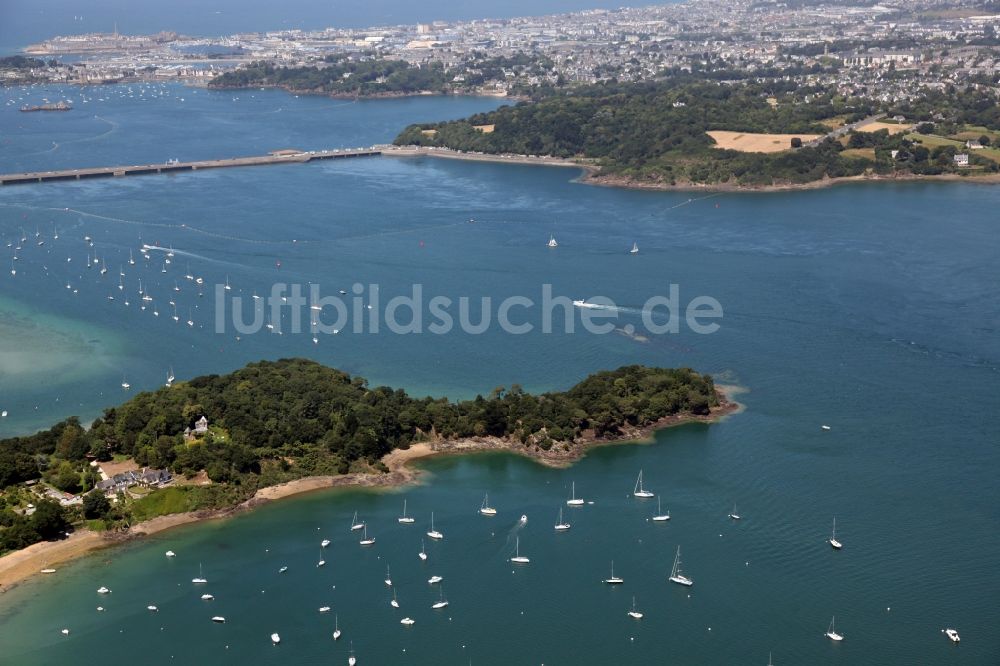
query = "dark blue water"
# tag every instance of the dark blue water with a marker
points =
(24, 22)
(871, 308)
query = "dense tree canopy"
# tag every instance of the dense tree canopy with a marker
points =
(340, 77)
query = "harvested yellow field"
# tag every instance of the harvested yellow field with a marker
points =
(894, 128)
(746, 142)
(485, 129)
(430, 132)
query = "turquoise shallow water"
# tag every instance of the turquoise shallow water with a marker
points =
(869, 308)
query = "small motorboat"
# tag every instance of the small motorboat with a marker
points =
(324, 609)
(952, 635)
(219, 619)
(407, 621)
(275, 638)
(434, 580)
(103, 590)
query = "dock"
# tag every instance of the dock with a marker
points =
(174, 166)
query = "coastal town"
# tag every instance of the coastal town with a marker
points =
(888, 51)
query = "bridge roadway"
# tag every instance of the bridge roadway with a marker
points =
(276, 157)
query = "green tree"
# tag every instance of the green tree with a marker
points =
(95, 504)
(49, 519)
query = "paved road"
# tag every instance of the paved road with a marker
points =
(841, 131)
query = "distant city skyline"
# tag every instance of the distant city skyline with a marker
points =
(23, 22)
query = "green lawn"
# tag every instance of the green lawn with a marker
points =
(175, 499)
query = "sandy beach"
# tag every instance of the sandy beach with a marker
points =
(21, 565)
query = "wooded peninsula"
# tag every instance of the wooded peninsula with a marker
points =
(273, 422)
(661, 133)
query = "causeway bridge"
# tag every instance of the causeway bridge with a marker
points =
(173, 166)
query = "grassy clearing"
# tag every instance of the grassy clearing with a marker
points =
(165, 501)
(866, 153)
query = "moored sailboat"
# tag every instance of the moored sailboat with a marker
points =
(433, 533)
(675, 573)
(639, 491)
(486, 509)
(831, 631)
(834, 543)
(405, 519)
(613, 579)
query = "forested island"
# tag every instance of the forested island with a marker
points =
(274, 422)
(658, 133)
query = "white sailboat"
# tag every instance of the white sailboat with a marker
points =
(573, 499)
(125, 384)
(352, 660)
(394, 603)
(423, 551)
(355, 525)
(218, 619)
(320, 562)
(275, 638)
(433, 580)
(561, 526)
(613, 579)
(639, 491)
(407, 621)
(405, 519)
(660, 517)
(208, 597)
(433, 533)
(635, 248)
(836, 545)
(170, 376)
(336, 628)
(831, 631)
(324, 543)
(486, 509)
(518, 558)
(441, 603)
(365, 539)
(634, 613)
(227, 287)
(675, 573)
(552, 241)
(734, 515)
(201, 576)
(388, 578)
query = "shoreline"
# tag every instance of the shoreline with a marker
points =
(592, 174)
(21, 565)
